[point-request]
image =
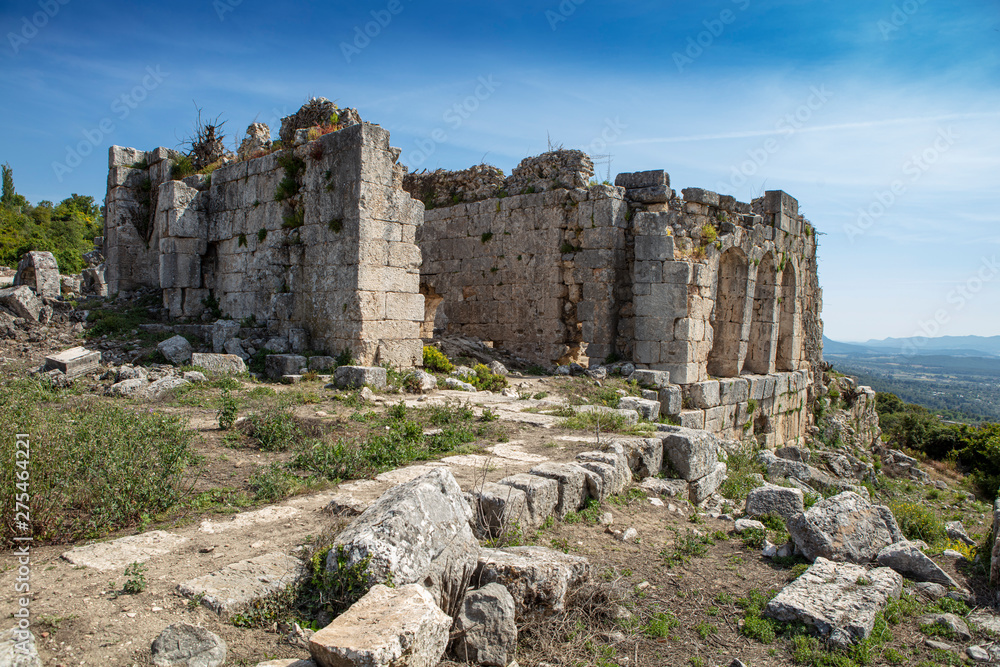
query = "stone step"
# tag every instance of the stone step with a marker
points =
(234, 587)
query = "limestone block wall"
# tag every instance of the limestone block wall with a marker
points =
(536, 274)
(334, 266)
(722, 292)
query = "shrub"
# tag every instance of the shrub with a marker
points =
(434, 360)
(135, 579)
(228, 410)
(275, 430)
(918, 522)
(95, 467)
(487, 380)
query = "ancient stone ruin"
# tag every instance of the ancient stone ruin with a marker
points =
(326, 243)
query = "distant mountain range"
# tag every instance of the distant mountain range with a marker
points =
(954, 346)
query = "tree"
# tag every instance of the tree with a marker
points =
(7, 199)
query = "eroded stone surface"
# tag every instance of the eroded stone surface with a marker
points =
(842, 528)
(388, 627)
(234, 587)
(839, 599)
(907, 559)
(117, 554)
(485, 631)
(417, 531)
(186, 645)
(537, 578)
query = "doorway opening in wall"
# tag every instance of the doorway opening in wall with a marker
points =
(785, 359)
(433, 323)
(760, 348)
(727, 324)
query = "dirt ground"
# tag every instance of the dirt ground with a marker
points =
(685, 564)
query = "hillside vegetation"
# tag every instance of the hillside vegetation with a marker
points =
(976, 449)
(66, 229)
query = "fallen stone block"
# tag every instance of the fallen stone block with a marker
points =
(74, 362)
(842, 528)
(22, 302)
(671, 400)
(277, 366)
(457, 385)
(227, 364)
(743, 525)
(667, 488)
(417, 531)
(691, 452)
(700, 489)
(485, 632)
(425, 382)
(779, 500)
(388, 627)
(186, 645)
(128, 388)
(161, 388)
(222, 332)
(839, 599)
(541, 495)
(355, 377)
(572, 481)
(645, 456)
(614, 458)
(233, 588)
(498, 509)
(956, 531)
(39, 271)
(177, 350)
(536, 577)
(907, 559)
(647, 409)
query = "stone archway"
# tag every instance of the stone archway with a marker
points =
(788, 338)
(727, 319)
(760, 349)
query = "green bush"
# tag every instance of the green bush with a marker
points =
(487, 380)
(434, 360)
(228, 410)
(275, 430)
(94, 467)
(918, 522)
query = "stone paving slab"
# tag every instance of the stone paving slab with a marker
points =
(246, 519)
(231, 589)
(117, 554)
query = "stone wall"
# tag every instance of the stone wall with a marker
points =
(332, 265)
(536, 274)
(721, 294)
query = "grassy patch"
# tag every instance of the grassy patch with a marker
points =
(918, 522)
(94, 467)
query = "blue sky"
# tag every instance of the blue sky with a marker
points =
(882, 118)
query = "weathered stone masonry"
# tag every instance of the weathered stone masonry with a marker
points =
(333, 267)
(721, 294)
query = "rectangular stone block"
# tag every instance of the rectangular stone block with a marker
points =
(648, 378)
(693, 453)
(700, 196)
(277, 366)
(700, 489)
(541, 495)
(734, 390)
(693, 419)
(572, 481)
(228, 364)
(779, 201)
(74, 362)
(671, 400)
(643, 179)
(654, 248)
(704, 394)
(355, 377)
(648, 410)
(233, 588)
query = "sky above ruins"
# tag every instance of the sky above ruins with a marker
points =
(882, 118)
